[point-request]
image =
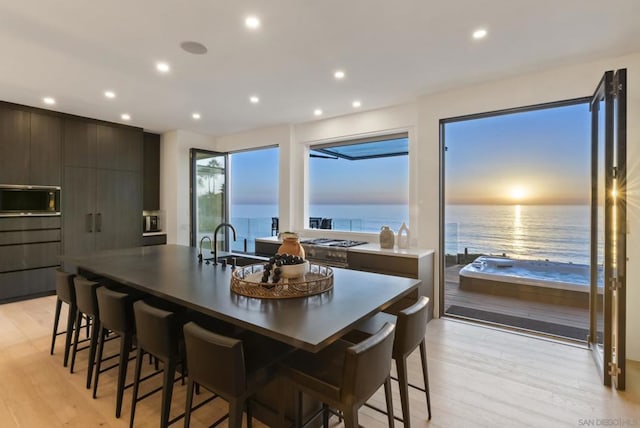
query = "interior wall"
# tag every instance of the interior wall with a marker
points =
(174, 180)
(553, 85)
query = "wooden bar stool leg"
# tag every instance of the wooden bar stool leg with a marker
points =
(167, 391)
(425, 375)
(325, 415)
(351, 418)
(249, 415)
(92, 350)
(235, 413)
(76, 339)
(136, 384)
(101, 334)
(389, 400)
(125, 346)
(56, 319)
(189, 403)
(71, 316)
(401, 366)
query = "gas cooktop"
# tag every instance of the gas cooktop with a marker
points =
(326, 242)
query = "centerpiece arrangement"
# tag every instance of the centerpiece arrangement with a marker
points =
(286, 274)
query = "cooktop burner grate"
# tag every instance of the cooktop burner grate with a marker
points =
(326, 242)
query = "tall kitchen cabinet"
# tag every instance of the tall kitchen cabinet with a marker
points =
(30, 245)
(102, 187)
(30, 146)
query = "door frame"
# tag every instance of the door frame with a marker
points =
(192, 201)
(611, 359)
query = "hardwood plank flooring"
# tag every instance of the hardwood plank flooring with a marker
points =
(478, 377)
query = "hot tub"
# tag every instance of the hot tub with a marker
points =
(534, 279)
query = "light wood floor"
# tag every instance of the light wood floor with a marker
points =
(479, 377)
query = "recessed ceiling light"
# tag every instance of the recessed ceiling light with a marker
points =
(480, 33)
(252, 22)
(196, 116)
(49, 101)
(125, 116)
(109, 94)
(254, 99)
(356, 104)
(195, 48)
(162, 67)
(339, 74)
(317, 112)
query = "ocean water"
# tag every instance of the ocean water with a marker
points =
(554, 232)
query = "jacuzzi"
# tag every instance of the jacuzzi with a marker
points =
(493, 272)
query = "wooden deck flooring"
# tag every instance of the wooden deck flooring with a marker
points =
(557, 314)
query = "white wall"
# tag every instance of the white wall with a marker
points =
(174, 180)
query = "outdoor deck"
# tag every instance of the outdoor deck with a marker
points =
(563, 315)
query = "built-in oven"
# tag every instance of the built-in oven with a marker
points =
(25, 200)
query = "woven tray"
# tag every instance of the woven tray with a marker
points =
(246, 281)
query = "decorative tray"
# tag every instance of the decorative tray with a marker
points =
(246, 281)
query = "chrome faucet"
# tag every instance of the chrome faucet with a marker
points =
(210, 246)
(215, 239)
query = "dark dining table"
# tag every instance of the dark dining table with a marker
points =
(172, 273)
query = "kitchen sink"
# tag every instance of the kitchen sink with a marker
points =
(242, 259)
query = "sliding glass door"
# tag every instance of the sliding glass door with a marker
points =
(209, 199)
(608, 228)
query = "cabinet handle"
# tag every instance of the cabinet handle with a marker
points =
(90, 223)
(98, 222)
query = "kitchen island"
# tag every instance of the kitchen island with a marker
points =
(172, 273)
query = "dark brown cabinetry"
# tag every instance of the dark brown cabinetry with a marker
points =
(30, 147)
(14, 146)
(99, 167)
(102, 199)
(29, 249)
(419, 266)
(45, 151)
(151, 172)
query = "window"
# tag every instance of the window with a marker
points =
(360, 185)
(253, 195)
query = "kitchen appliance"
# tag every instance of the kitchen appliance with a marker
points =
(331, 252)
(150, 223)
(25, 200)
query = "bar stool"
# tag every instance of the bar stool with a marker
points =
(343, 376)
(116, 315)
(65, 292)
(158, 333)
(411, 328)
(87, 306)
(231, 368)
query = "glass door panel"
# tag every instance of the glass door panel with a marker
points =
(608, 222)
(208, 195)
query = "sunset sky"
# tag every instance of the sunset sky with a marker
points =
(535, 157)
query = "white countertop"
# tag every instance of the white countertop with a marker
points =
(371, 248)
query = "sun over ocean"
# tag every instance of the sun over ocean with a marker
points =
(554, 232)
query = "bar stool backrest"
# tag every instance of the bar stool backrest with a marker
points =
(86, 299)
(215, 361)
(367, 365)
(115, 310)
(157, 330)
(411, 327)
(64, 287)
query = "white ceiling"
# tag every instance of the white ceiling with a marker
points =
(391, 51)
